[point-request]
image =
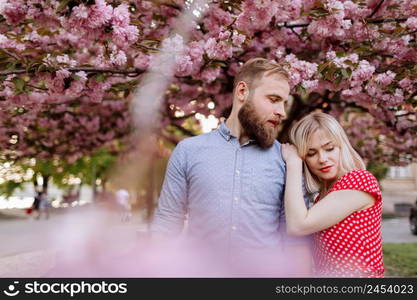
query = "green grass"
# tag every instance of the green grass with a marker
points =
(400, 259)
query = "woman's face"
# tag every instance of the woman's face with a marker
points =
(323, 157)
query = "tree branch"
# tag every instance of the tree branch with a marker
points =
(295, 32)
(369, 21)
(10, 54)
(173, 118)
(183, 130)
(172, 139)
(380, 21)
(129, 72)
(376, 9)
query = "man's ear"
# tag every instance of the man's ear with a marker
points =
(242, 91)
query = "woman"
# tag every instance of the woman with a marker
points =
(346, 214)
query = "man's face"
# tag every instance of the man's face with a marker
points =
(264, 109)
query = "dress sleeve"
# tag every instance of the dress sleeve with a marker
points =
(361, 180)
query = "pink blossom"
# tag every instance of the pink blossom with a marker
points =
(62, 73)
(310, 84)
(10, 44)
(405, 83)
(335, 6)
(306, 69)
(385, 78)
(173, 44)
(216, 19)
(64, 59)
(34, 37)
(210, 74)
(125, 35)
(280, 52)
(82, 75)
(213, 88)
(142, 61)
(352, 92)
(84, 18)
(100, 14)
(195, 50)
(295, 78)
(331, 26)
(121, 15)
(352, 10)
(224, 35)
(361, 32)
(374, 90)
(220, 50)
(411, 23)
(238, 39)
(393, 99)
(288, 10)
(256, 15)
(363, 72)
(77, 86)
(346, 24)
(13, 11)
(184, 65)
(80, 12)
(233, 69)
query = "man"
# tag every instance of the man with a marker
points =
(230, 182)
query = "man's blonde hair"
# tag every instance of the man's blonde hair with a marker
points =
(255, 68)
(301, 133)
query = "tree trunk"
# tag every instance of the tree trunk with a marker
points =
(299, 109)
(150, 191)
(45, 183)
(93, 180)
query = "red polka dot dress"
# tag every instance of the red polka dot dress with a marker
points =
(352, 247)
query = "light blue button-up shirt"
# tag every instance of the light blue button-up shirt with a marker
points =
(233, 194)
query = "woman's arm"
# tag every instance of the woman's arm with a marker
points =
(327, 212)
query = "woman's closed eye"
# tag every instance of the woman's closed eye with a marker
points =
(311, 154)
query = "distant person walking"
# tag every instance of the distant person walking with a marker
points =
(122, 198)
(43, 205)
(35, 205)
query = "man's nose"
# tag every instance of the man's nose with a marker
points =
(280, 110)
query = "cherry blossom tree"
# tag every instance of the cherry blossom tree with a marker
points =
(68, 68)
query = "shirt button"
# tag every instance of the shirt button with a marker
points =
(237, 172)
(236, 198)
(234, 227)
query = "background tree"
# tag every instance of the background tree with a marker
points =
(89, 170)
(68, 68)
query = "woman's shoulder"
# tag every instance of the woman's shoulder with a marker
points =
(359, 179)
(357, 175)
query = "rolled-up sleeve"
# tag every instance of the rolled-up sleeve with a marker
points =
(172, 204)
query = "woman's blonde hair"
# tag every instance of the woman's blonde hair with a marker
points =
(301, 133)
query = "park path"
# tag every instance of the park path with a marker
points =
(397, 230)
(29, 246)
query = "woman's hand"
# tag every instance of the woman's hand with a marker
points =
(290, 154)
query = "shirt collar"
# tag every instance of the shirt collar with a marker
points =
(227, 134)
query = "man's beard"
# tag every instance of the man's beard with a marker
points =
(254, 128)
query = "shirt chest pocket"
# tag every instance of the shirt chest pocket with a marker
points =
(266, 185)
